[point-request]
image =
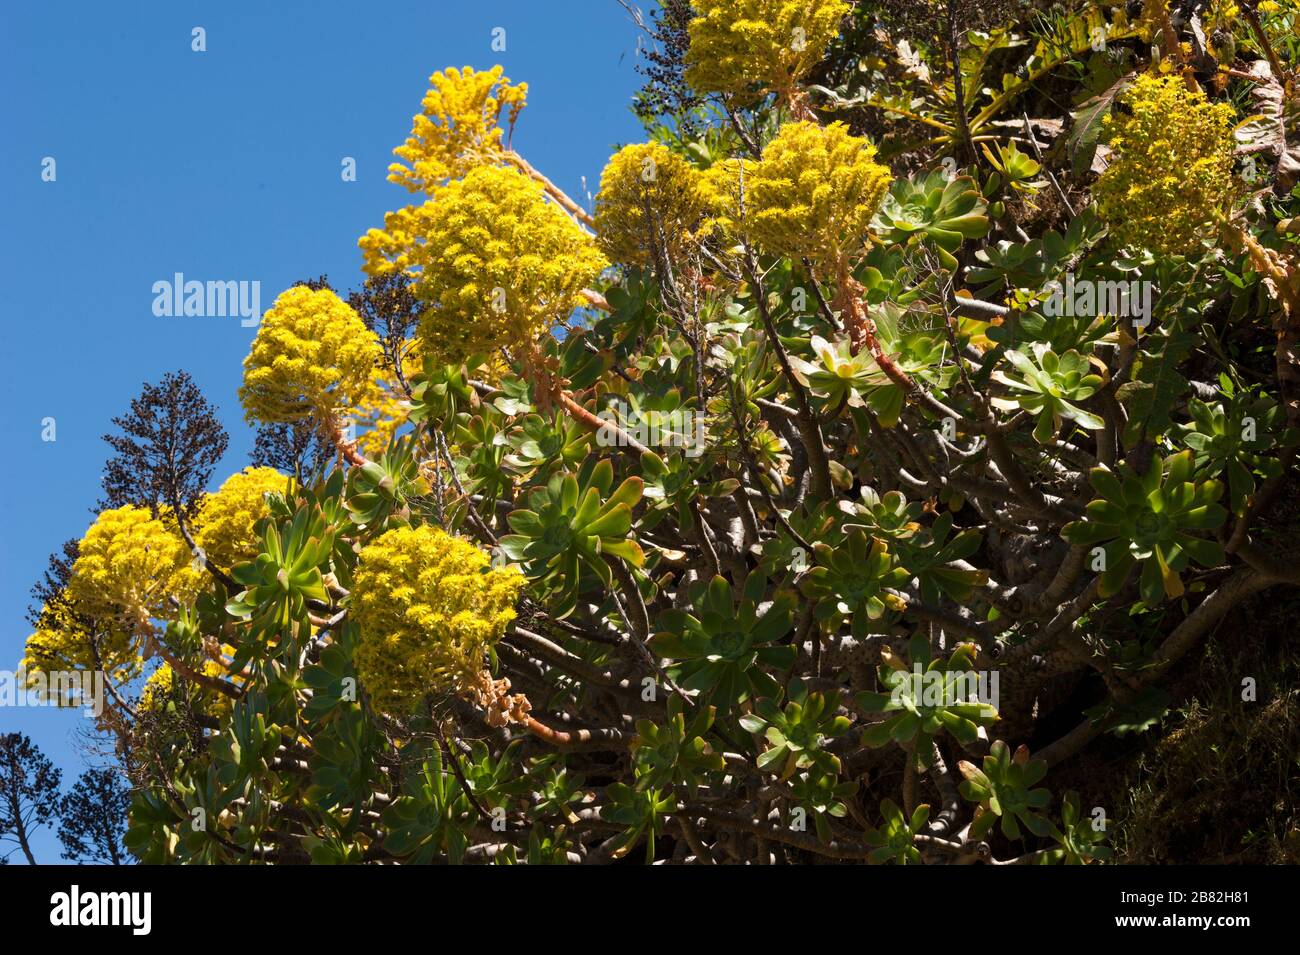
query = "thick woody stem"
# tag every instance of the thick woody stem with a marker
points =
(862, 333)
(596, 425)
(810, 431)
(1185, 636)
(862, 328)
(348, 449)
(1257, 31)
(550, 388)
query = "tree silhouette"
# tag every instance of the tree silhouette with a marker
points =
(295, 448)
(170, 442)
(94, 818)
(29, 791)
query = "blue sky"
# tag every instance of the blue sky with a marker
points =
(223, 165)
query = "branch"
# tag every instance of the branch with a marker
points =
(809, 430)
(1210, 611)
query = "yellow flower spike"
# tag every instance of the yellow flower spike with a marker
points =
(312, 354)
(1169, 185)
(739, 47)
(649, 197)
(61, 643)
(502, 263)
(431, 607)
(223, 527)
(814, 192)
(127, 566)
(458, 128)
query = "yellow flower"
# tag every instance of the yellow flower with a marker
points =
(458, 127)
(223, 527)
(157, 689)
(743, 46)
(649, 198)
(498, 261)
(814, 192)
(127, 566)
(62, 644)
(312, 354)
(1169, 184)
(429, 607)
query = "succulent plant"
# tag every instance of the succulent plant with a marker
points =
(933, 206)
(930, 696)
(424, 821)
(797, 732)
(1031, 264)
(441, 391)
(1078, 841)
(574, 524)
(839, 376)
(1233, 440)
(541, 444)
(720, 646)
(1013, 167)
(382, 491)
(895, 838)
(675, 753)
(1004, 790)
(286, 574)
(641, 812)
(929, 555)
(851, 582)
(483, 468)
(1152, 520)
(822, 795)
(1049, 386)
(890, 514)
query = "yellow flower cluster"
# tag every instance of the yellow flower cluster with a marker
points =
(429, 607)
(127, 566)
(812, 193)
(501, 262)
(737, 46)
(649, 196)
(62, 644)
(312, 354)
(458, 128)
(224, 524)
(1169, 184)
(157, 689)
